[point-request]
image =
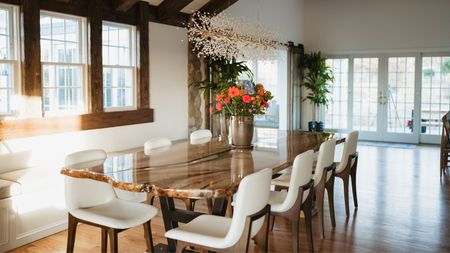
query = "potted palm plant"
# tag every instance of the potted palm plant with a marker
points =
(316, 79)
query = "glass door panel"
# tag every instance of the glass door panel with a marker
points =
(365, 94)
(336, 114)
(400, 95)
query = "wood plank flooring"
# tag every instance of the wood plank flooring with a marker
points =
(403, 207)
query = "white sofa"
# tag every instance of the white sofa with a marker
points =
(31, 201)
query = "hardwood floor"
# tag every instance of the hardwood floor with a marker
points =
(404, 206)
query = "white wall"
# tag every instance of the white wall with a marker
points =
(376, 25)
(168, 98)
(282, 16)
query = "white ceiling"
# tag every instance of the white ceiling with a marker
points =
(193, 6)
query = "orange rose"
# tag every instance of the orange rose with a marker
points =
(247, 99)
(219, 96)
(233, 91)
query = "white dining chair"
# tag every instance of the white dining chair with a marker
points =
(157, 144)
(250, 220)
(200, 136)
(346, 169)
(298, 198)
(95, 203)
(324, 174)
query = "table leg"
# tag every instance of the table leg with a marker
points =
(167, 207)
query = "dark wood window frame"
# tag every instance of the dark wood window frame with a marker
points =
(95, 11)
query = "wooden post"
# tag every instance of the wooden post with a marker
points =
(32, 88)
(95, 14)
(143, 76)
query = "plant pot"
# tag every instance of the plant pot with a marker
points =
(315, 126)
(242, 131)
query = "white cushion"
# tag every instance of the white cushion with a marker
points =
(117, 213)
(282, 180)
(206, 230)
(9, 189)
(277, 198)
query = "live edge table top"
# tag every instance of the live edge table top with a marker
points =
(210, 170)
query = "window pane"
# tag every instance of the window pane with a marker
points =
(365, 99)
(435, 93)
(118, 87)
(6, 88)
(336, 112)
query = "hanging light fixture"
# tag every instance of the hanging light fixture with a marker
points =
(224, 37)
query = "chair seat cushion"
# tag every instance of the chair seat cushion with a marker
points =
(118, 214)
(277, 198)
(282, 180)
(205, 230)
(9, 189)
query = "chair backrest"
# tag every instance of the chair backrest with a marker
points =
(252, 197)
(83, 193)
(15, 161)
(350, 145)
(446, 129)
(157, 143)
(201, 136)
(301, 175)
(325, 159)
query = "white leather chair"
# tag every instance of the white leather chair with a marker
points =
(216, 233)
(200, 136)
(157, 144)
(95, 203)
(297, 198)
(324, 179)
(346, 169)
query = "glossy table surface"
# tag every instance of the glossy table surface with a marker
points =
(209, 170)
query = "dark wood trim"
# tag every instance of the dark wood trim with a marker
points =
(143, 77)
(169, 8)
(217, 6)
(14, 2)
(32, 89)
(39, 126)
(95, 69)
(128, 17)
(124, 5)
(75, 7)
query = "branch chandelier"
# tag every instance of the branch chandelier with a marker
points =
(224, 37)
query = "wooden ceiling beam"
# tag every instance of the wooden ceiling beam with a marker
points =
(217, 6)
(168, 8)
(124, 5)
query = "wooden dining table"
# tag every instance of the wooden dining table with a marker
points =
(211, 170)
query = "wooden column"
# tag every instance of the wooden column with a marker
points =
(32, 88)
(95, 14)
(143, 76)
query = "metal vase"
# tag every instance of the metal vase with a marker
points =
(242, 131)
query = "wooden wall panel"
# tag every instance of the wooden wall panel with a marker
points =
(95, 56)
(143, 77)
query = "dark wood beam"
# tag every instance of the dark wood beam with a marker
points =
(124, 5)
(217, 6)
(178, 19)
(169, 8)
(32, 88)
(95, 56)
(143, 76)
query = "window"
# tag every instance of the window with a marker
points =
(63, 64)
(435, 93)
(118, 67)
(8, 60)
(272, 73)
(336, 112)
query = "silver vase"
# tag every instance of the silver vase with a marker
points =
(242, 131)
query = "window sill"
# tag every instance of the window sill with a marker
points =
(13, 129)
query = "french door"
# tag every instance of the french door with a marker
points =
(383, 94)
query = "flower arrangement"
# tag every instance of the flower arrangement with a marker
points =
(242, 99)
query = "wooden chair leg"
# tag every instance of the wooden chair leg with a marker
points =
(295, 231)
(330, 193)
(113, 245)
(272, 222)
(209, 203)
(307, 211)
(148, 236)
(319, 204)
(345, 182)
(353, 178)
(71, 233)
(104, 240)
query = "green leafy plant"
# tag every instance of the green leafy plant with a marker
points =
(225, 75)
(316, 78)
